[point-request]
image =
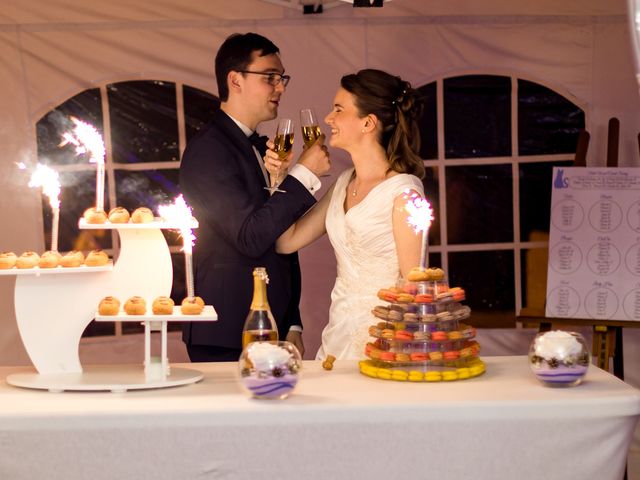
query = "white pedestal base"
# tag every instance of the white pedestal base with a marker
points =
(116, 379)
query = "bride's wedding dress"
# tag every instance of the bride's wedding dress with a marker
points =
(362, 239)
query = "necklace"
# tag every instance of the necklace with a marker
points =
(354, 192)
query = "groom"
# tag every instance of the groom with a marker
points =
(223, 178)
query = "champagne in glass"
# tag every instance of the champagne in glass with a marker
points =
(283, 145)
(310, 128)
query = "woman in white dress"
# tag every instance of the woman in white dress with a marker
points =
(373, 118)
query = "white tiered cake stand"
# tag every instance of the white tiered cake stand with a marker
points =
(54, 305)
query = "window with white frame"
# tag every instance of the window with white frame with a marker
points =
(489, 143)
(145, 126)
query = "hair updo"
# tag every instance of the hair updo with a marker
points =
(397, 106)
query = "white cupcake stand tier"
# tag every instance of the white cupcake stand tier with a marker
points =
(54, 306)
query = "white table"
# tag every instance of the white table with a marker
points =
(337, 424)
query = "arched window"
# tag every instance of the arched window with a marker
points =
(489, 143)
(145, 125)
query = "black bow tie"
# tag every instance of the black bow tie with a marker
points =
(260, 142)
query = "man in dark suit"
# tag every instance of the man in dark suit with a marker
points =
(223, 178)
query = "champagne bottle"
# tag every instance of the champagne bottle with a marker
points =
(259, 325)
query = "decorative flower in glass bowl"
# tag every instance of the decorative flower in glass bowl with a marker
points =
(559, 359)
(270, 370)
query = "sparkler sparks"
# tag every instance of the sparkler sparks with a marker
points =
(48, 179)
(179, 214)
(88, 140)
(420, 212)
(420, 218)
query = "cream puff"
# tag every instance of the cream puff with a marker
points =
(27, 260)
(142, 215)
(162, 306)
(192, 306)
(91, 215)
(7, 260)
(135, 306)
(49, 259)
(109, 306)
(71, 259)
(96, 258)
(119, 215)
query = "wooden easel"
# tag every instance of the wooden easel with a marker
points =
(607, 334)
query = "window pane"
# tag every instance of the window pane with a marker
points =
(85, 106)
(477, 116)
(431, 191)
(547, 122)
(428, 122)
(435, 259)
(487, 279)
(534, 275)
(479, 204)
(198, 109)
(78, 192)
(144, 125)
(535, 197)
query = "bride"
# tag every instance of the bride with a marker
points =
(374, 120)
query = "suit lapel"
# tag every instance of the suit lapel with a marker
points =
(239, 139)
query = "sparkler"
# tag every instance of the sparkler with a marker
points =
(420, 218)
(88, 140)
(48, 179)
(179, 213)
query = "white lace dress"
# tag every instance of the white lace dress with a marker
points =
(367, 260)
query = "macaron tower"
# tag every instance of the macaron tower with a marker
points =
(420, 334)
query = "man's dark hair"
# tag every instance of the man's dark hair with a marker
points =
(235, 55)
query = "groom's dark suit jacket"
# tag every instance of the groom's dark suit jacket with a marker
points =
(239, 223)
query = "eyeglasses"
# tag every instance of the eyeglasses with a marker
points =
(272, 78)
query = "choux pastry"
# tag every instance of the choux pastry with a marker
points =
(91, 215)
(192, 306)
(162, 306)
(135, 306)
(96, 258)
(109, 306)
(7, 260)
(27, 260)
(119, 215)
(74, 258)
(142, 215)
(49, 259)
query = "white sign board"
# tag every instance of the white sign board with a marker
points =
(594, 244)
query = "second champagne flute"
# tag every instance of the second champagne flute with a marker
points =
(283, 145)
(310, 127)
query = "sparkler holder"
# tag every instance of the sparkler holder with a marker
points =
(54, 306)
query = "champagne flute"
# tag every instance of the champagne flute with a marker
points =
(310, 127)
(283, 144)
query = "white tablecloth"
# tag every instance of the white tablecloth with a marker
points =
(338, 424)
